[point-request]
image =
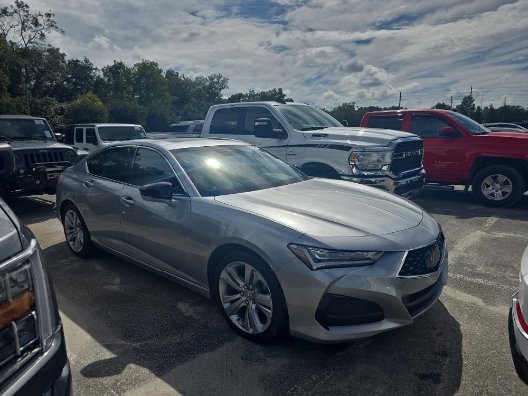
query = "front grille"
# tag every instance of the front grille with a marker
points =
(41, 157)
(407, 156)
(416, 302)
(2, 164)
(19, 339)
(425, 260)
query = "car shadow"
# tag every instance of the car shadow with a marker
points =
(462, 205)
(33, 209)
(180, 337)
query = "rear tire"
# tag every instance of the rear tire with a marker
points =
(498, 185)
(250, 297)
(76, 233)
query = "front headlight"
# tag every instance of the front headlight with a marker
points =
(370, 160)
(316, 258)
(70, 156)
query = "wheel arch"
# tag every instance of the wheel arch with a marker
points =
(313, 169)
(223, 249)
(482, 162)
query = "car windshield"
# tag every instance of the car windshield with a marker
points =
(123, 132)
(307, 118)
(25, 129)
(223, 170)
(472, 126)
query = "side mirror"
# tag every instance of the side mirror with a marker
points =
(449, 132)
(157, 192)
(264, 129)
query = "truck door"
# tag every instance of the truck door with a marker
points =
(444, 156)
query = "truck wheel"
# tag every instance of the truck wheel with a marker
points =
(498, 185)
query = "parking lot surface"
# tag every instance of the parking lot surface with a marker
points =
(129, 331)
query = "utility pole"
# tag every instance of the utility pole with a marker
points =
(399, 102)
(481, 98)
(451, 102)
(471, 91)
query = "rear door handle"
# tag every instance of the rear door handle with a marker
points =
(127, 201)
(88, 183)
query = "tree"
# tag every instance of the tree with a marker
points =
(87, 108)
(467, 107)
(125, 111)
(23, 28)
(274, 94)
(441, 106)
(118, 82)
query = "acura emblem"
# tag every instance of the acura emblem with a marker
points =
(432, 256)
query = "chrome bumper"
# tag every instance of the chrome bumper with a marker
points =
(405, 185)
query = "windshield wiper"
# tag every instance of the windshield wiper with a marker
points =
(313, 128)
(5, 139)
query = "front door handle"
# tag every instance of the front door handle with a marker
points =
(127, 201)
(88, 183)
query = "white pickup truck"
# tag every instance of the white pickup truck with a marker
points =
(316, 143)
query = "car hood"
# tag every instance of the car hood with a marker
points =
(367, 136)
(330, 208)
(520, 136)
(37, 144)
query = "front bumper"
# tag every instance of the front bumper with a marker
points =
(48, 375)
(406, 185)
(41, 177)
(367, 289)
(518, 342)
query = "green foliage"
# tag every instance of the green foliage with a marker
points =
(467, 107)
(125, 111)
(274, 95)
(351, 114)
(441, 106)
(86, 108)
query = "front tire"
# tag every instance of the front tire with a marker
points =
(250, 297)
(76, 233)
(498, 185)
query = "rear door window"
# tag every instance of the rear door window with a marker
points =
(427, 126)
(228, 121)
(79, 132)
(386, 122)
(113, 163)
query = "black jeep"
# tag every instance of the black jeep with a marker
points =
(31, 159)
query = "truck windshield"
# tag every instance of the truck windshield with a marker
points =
(122, 132)
(472, 126)
(307, 118)
(25, 129)
(223, 170)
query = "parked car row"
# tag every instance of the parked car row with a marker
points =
(458, 150)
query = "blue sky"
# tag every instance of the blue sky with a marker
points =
(323, 52)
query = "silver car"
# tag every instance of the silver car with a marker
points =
(518, 322)
(326, 260)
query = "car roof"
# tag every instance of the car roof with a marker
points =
(410, 110)
(20, 116)
(181, 143)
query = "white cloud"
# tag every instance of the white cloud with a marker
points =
(326, 52)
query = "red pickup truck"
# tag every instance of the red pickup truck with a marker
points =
(458, 150)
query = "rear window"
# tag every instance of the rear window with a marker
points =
(228, 121)
(179, 128)
(386, 122)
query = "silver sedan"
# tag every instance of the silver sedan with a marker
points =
(277, 252)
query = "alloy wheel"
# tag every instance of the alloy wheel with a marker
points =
(245, 297)
(496, 187)
(73, 228)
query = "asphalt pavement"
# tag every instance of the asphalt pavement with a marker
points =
(129, 331)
